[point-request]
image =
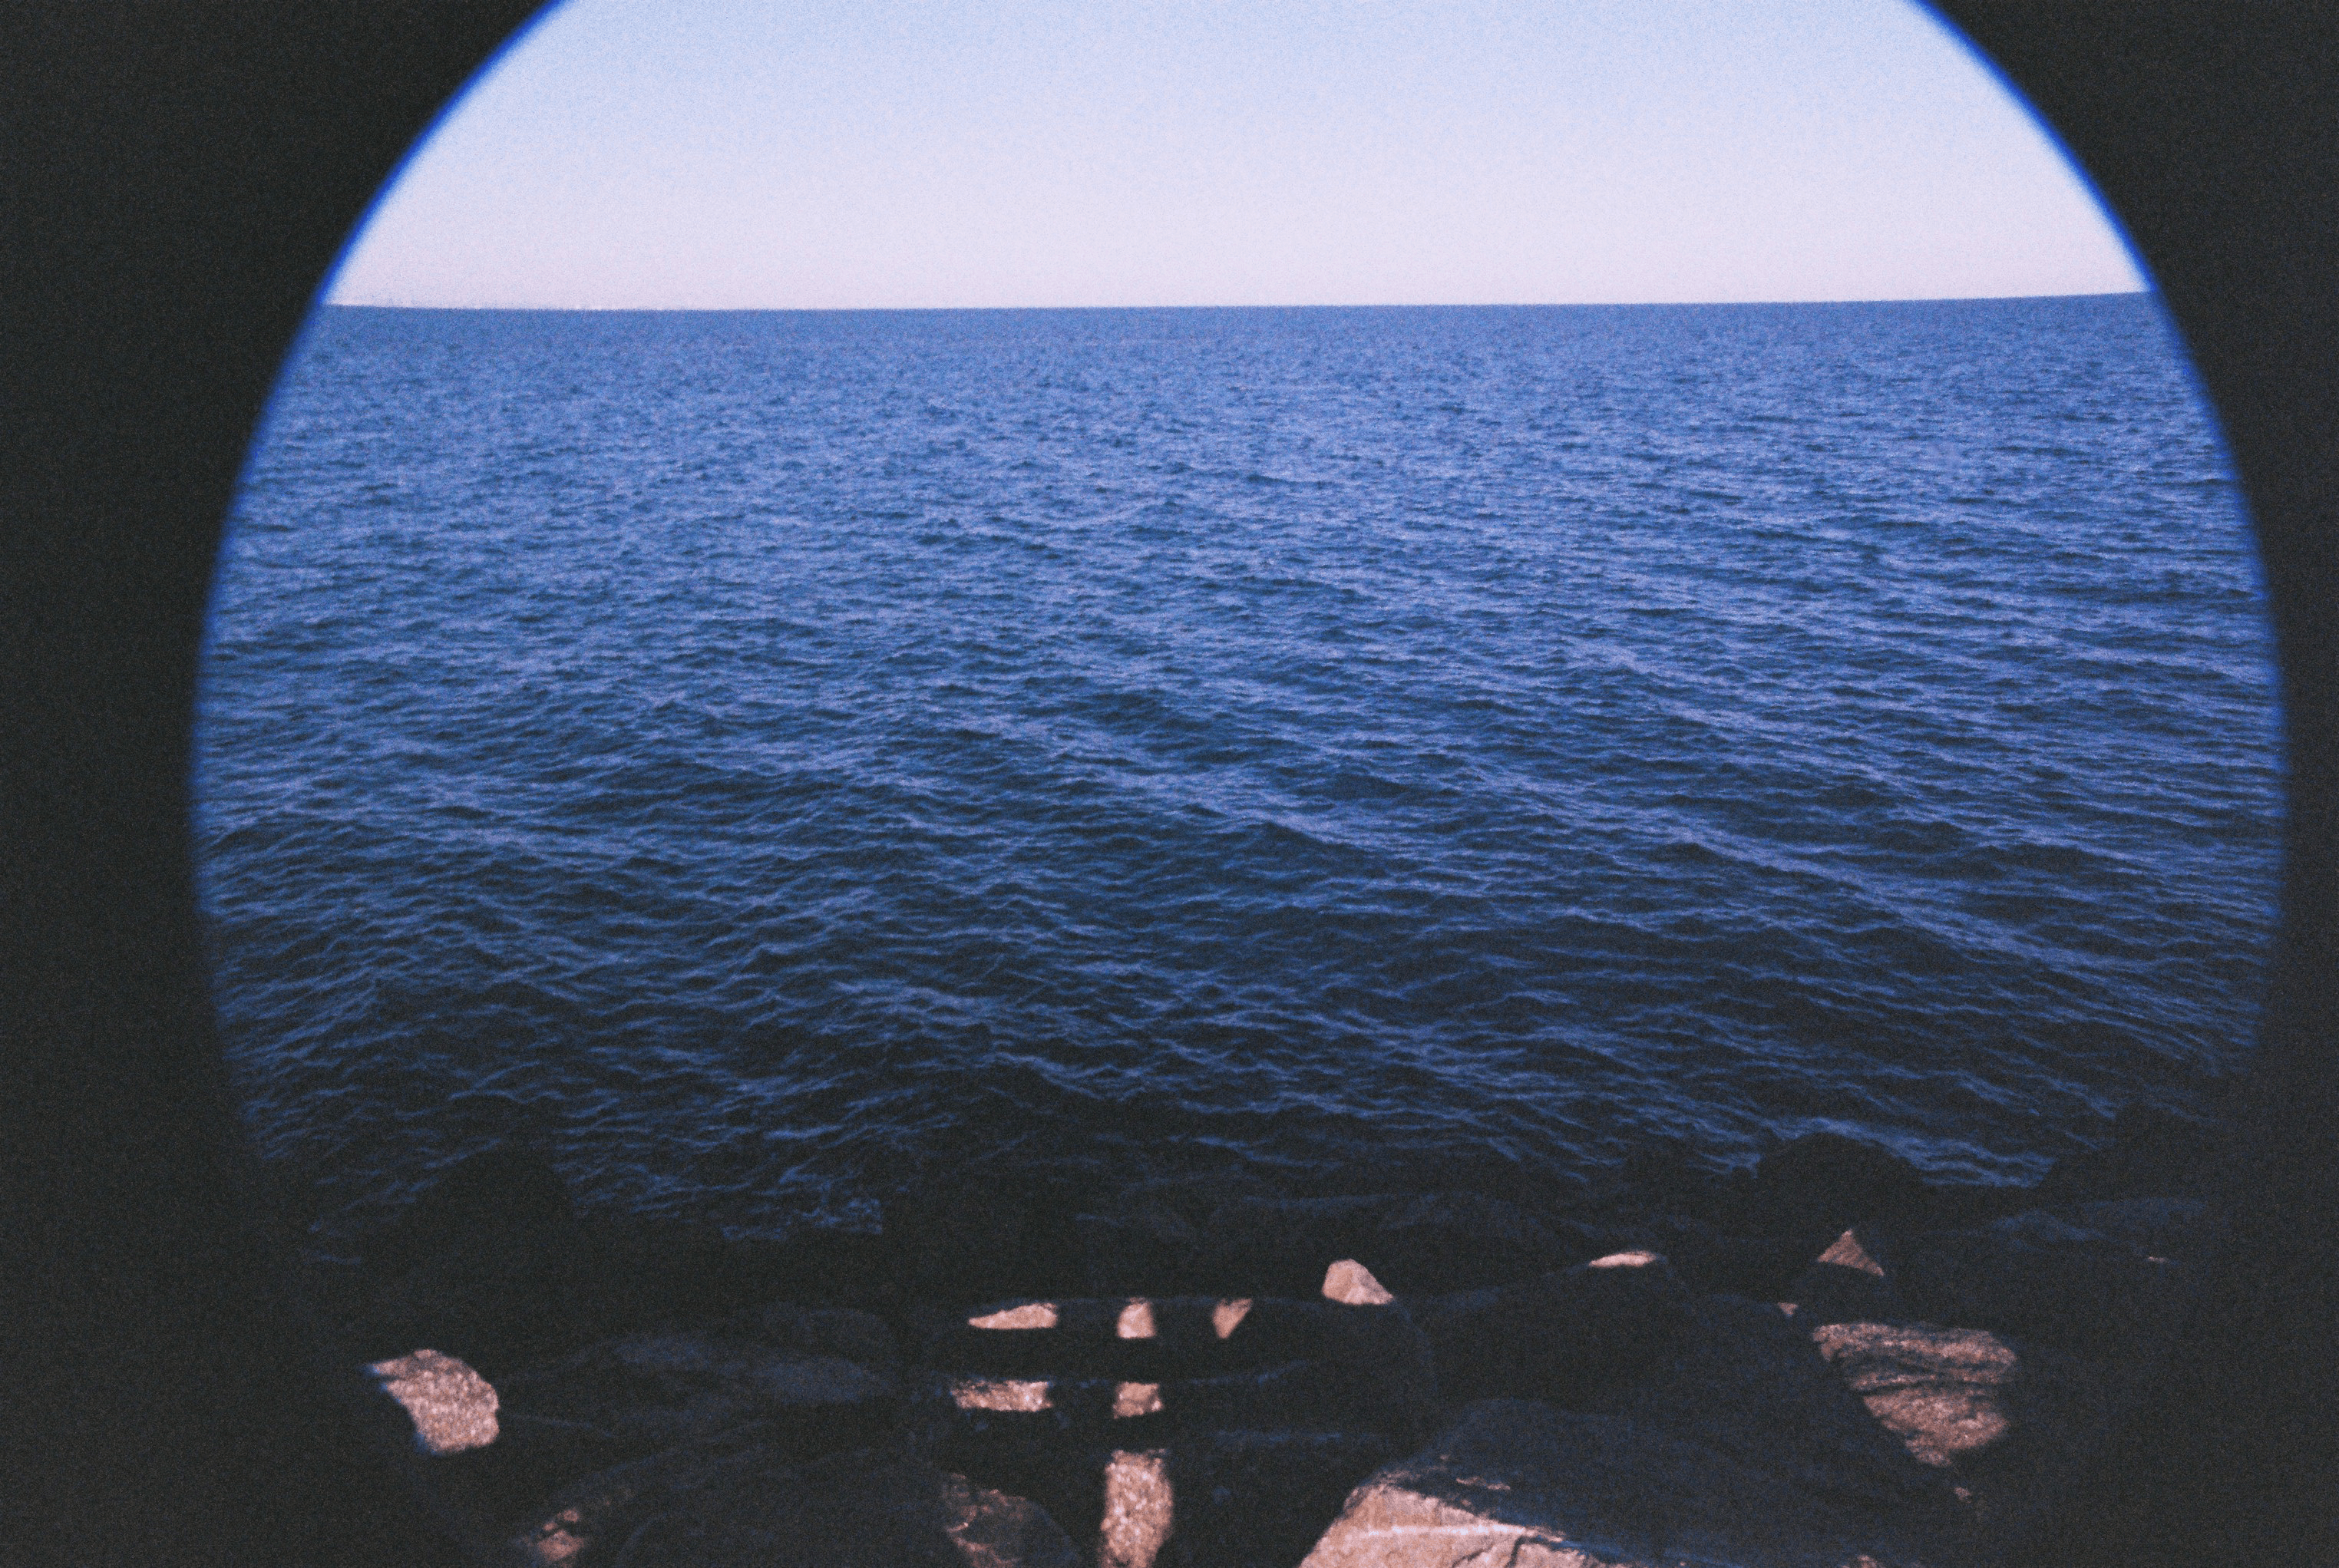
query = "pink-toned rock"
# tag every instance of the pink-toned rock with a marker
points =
(2008, 1423)
(453, 1408)
(1519, 1482)
(1351, 1284)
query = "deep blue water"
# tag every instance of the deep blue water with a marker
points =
(765, 750)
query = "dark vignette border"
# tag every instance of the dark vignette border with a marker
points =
(176, 176)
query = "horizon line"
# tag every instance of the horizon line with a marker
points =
(2145, 291)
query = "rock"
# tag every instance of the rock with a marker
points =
(651, 1391)
(1235, 1499)
(1563, 1336)
(2062, 1289)
(452, 1408)
(1351, 1284)
(1522, 1483)
(824, 1265)
(1282, 1247)
(532, 1458)
(1712, 1262)
(1846, 1283)
(709, 1506)
(586, 1520)
(1247, 1498)
(1447, 1241)
(1139, 1510)
(1353, 1368)
(1823, 1182)
(2012, 1424)
(1744, 1379)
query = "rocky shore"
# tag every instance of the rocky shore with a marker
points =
(1822, 1360)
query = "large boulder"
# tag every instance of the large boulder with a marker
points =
(1521, 1483)
(1742, 1379)
(736, 1504)
(1240, 1499)
(1562, 1337)
(2009, 1424)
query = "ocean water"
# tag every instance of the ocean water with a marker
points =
(764, 754)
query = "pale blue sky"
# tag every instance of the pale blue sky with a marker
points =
(756, 153)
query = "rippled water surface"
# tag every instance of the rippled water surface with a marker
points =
(764, 751)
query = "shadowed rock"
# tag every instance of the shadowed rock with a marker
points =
(507, 1296)
(855, 1335)
(2146, 1152)
(1282, 1247)
(715, 1505)
(2045, 1281)
(1236, 1499)
(1563, 1336)
(2177, 1229)
(1712, 1262)
(2011, 1423)
(653, 1390)
(1742, 1379)
(1823, 1182)
(1520, 1482)
(987, 1233)
(1448, 1241)
(1848, 1283)
(1150, 1249)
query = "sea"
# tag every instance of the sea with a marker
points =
(764, 756)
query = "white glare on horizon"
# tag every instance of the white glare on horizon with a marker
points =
(696, 153)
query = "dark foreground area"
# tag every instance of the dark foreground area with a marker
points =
(1821, 1359)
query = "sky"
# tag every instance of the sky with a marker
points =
(920, 153)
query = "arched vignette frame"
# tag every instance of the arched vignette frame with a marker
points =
(179, 175)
